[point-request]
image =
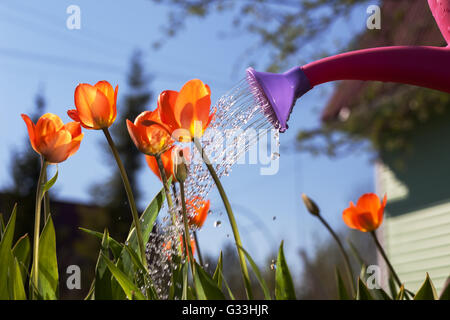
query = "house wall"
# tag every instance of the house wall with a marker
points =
(416, 231)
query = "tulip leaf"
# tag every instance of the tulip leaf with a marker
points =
(206, 288)
(176, 288)
(445, 294)
(126, 284)
(342, 291)
(2, 226)
(22, 252)
(102, 282)
(217, 276)
(142, 276)
(48, 264)
(5, 255)
(426, 291)
(284, 286)
(114, 245)
(147, 221)
(16, 280)
(258, 275)
(50, 183)
(392, 285)
(362, 292)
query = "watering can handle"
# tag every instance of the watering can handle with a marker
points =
(421, 66)
(441, 13)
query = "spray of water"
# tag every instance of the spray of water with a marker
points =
(243, 115)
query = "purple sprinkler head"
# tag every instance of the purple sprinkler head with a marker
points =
(277, 93)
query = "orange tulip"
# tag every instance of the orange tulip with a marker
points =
(200, 210)
(148, 134)
(186, 113)
(367, 215)
(53, 139)
(95, 105)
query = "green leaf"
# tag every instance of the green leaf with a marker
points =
(103, 277)
(445, 294)
(176, 288)
(17, 282)
(362, 292)
(142, 275)
(5, 255)
(22, 251)
(115, 246)
(426, 291)
(148, 219)
(2, 226)
(217, 276)
(284, 287)
(258, 275)
(50, 183)
(48, 263)
(206, 288)
(392, 285)
(127, 285)
(342, 291)
(356, 253)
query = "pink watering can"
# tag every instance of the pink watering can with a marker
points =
(427, 67)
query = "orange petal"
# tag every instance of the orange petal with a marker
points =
(369, 202)
(193, 103)
(56, 148)
(166, 106)
(135, 135)
(153, 165)
(74, 128)
(93, 107)
(349, 215)
(31, 131)
(111, 94)
(365, 221)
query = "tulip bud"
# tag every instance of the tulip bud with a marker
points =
(179, 165)
(310, 205)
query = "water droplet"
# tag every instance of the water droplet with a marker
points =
(217, 223)
(275, 155)
(273, 265)
(274, 218)
(127, 243)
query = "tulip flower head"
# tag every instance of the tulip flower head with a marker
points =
(148, 134)
(199, 211)
(367, 215)
(53, 139)
(186, 113)
(95, 105)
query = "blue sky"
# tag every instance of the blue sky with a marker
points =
(37, 51)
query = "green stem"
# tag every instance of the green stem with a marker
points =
(187, 237)
(37, 223)
(341, 248)
(231, 218)
(197, 247)
(162, 173)
(386, 259)
(130, 196)
(46, 199)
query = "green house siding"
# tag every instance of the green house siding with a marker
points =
(416, 230)
(419, 242)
